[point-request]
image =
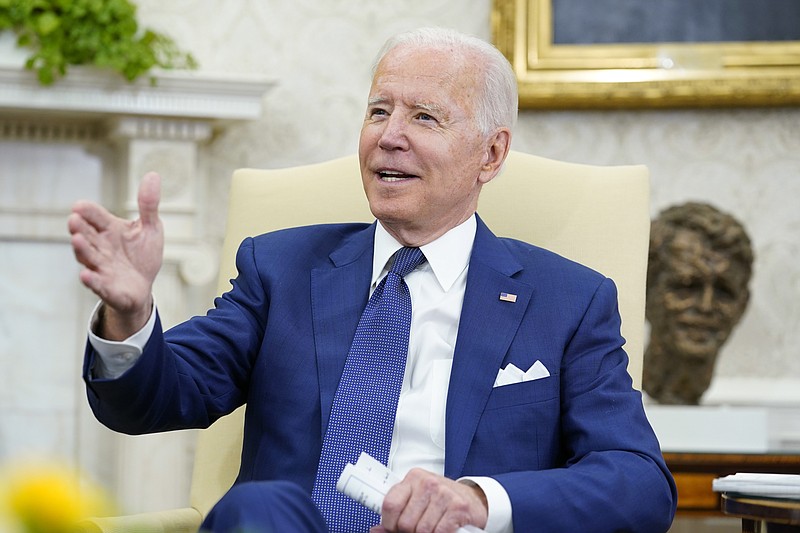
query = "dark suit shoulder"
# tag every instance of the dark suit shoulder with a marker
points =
(313, 233)
(317, 240)
(541, 261)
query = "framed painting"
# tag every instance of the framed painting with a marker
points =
(638, 53)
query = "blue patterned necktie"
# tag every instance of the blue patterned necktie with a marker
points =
(364, 406)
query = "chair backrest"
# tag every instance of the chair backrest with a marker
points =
(598, 216)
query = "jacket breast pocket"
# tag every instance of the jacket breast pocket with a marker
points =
(534, 391)
(519, 429)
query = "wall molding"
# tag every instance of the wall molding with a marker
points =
(48, 130)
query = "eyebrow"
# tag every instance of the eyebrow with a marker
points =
(431, 108)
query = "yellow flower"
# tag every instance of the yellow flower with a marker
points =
(49, 497)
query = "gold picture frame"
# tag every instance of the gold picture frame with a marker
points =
(652, 75)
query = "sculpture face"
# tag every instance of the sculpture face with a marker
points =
(698, 298)
(697, 277)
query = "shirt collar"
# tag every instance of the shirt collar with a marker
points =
(447, 256)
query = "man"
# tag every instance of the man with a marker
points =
(697, 290)
(571, 451)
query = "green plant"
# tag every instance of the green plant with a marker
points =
(101, 33)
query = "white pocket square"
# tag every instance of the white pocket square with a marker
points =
(511, 374)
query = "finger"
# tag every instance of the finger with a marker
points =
(85, 253)
(453, 507)
(394, 503)
(94, 214)
(77, 225)
(149, 198)
(443, 515)
(92, 281)
(426, 507)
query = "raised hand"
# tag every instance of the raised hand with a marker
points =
(424, 501)
(121, 258)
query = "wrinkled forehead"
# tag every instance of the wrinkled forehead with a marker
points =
(429, 75)
(449, 69)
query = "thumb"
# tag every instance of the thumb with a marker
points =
(149, 197)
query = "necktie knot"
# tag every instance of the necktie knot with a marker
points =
(406, 260)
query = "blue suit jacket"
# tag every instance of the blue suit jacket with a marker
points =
(574, 450)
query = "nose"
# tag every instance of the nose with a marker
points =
(394, 135)
(707, 298)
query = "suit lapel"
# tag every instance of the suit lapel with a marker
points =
(339, 293)
(487, 327)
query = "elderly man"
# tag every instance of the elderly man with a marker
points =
(427, 389)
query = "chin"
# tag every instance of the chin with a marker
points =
(390, 211)
(697, 351)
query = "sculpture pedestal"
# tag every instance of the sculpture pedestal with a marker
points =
(723, 429)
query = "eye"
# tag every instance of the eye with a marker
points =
(378, 112)
(425, 117)
(684, 286)
(683, 281)
(724, 290)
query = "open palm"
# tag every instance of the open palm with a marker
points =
(121, 257)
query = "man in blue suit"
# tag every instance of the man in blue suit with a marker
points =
(516, 411)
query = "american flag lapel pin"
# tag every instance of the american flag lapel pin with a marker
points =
(508, 297)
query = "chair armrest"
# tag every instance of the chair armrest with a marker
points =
(172, 521)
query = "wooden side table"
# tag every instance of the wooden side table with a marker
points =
(694, 472)
(763, 515)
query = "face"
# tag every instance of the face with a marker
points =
(423, 159)
(698, 299)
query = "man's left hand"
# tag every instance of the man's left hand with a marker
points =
(425, 502)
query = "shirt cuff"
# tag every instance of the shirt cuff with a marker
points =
(117, 357)
(499, 519)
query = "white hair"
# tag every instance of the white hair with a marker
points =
(498, 102)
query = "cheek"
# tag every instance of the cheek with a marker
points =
(728, 312)
(365, 140)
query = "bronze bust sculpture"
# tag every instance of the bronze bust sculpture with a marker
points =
(697, 290)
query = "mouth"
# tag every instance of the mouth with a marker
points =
(393, 176)
(700, 323)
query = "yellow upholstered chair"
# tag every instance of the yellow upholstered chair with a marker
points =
(598, 216)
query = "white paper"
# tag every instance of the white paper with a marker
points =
(768, 485)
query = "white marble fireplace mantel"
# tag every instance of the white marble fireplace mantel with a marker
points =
(166, 93)
(92, 135)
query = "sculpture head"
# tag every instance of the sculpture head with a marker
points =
(697, 291)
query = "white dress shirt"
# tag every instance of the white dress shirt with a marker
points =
(437, 294)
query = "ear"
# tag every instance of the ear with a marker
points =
(497, 146)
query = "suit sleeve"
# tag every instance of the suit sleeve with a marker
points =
(196, 372)
(613, 476)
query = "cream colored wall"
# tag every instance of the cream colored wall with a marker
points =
(745, 161)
